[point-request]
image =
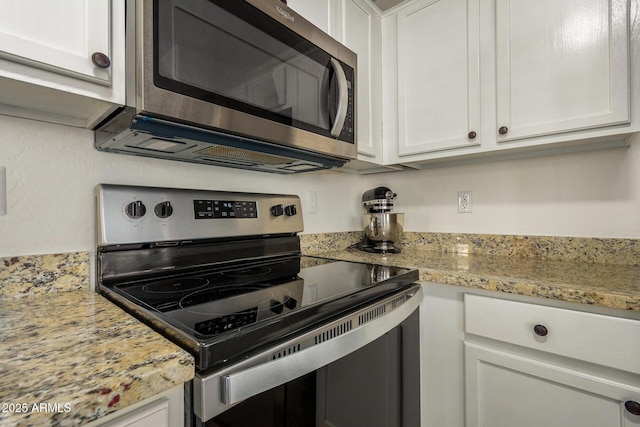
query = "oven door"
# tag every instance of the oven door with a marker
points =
(244, 68)
(368, 358)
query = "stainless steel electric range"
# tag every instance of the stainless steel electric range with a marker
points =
(278, 338)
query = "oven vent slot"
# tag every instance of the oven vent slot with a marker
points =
(334, 332)
(371, 314)
(396, 302)
(285, 352)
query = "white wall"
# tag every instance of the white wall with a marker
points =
(52, 171)
(588, 194)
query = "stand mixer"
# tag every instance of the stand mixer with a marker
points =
(382, 229)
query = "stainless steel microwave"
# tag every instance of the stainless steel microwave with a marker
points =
(241, 83)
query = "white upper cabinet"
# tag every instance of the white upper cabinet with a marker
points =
(361, 33)
(61, 62)
(561, 66)
(358, 25)
(318, 12)
(473, 78)
(438, 76)
(58, 36)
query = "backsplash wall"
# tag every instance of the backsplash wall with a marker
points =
(585, 194)
(52, 171)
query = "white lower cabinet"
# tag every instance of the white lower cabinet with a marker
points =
(529, 366)
(484, 365)
(505, 390)
(164, 410)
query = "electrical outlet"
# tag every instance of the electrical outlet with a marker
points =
(464, 202)
(312, 202)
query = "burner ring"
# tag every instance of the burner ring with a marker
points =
(200, 301)
(168, 286)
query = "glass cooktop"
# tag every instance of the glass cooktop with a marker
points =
(206, 304)
(223, 313)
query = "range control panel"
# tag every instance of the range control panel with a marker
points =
(132, 214)
(225, 209)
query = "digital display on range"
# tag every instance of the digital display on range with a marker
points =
(224, 209)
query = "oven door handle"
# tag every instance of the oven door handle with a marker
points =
(241, 385)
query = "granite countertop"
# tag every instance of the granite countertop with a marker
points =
(82, 357)
(607, 285)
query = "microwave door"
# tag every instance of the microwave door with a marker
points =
(220, 53)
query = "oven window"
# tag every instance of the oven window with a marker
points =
(376, 385)
(290, 405)
(231, 54)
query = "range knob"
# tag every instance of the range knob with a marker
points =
(290, 210)
(135, 210)
(277, 210)
(290, 303)
(276, 306)
(163, 210)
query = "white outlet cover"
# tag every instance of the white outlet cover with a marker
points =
(312, 206)
(464, 202)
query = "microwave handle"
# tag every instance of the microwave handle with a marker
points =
(343, 98)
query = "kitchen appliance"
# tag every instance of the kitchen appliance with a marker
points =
(382, 228)
(276, 336)
(247, 84)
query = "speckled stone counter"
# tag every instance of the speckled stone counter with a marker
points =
(81, 355)
(608, 285)
(581, 249)
(24, 276)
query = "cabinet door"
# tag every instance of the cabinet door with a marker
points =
(58, 36)
(362, 34)
(318, 12)
(506, 390)
(154, 415)
(561, 65)
(438, 76)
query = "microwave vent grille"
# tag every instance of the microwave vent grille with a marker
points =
(231, 153)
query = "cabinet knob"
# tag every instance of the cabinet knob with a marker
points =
(633, 407)
(503, 130)
(540, 330)
(100, 60)
(472, 135)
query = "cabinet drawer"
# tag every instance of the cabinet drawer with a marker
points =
(605, 340)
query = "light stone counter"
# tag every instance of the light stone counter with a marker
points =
(82, 357)
(65, 346)
(608, 285)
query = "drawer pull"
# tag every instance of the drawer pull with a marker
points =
(633, 407)
(540, 330)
